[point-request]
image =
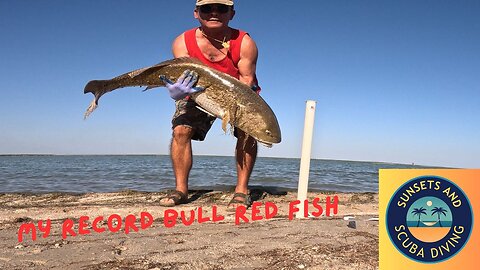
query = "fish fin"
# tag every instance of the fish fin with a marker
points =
(137, 72)
(151, 87)
(205, 111)
(93, 105)
(225, 120)
(245, 139)
(180, 60)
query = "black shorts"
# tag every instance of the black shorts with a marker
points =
(187, 114)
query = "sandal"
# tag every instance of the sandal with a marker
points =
(176, 196)
(246, 201)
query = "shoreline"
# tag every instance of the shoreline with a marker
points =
(313, 243)
(273, 190)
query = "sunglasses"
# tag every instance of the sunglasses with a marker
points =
(211, 7)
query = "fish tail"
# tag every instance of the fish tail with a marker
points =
(93, 105)
(96, 86)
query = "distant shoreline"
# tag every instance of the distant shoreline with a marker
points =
(323, 159)
(22, 155)
(195, 189)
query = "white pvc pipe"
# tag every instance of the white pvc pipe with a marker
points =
(306, 155)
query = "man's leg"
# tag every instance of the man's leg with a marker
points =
(181, 155)
(246, 154)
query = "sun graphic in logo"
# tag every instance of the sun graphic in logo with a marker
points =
(429, 219)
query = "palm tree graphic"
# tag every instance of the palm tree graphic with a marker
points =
(419, 211)
(439, 211)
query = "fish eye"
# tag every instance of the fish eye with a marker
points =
(268, 132)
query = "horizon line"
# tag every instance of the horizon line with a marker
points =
(329, 159)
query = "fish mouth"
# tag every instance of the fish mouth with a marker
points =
(266, 144)
(270, 140)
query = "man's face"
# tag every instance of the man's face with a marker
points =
(214, 15)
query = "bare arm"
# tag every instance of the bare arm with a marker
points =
(247, 64)
(179, 49)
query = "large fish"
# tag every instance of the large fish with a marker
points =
(224, 96)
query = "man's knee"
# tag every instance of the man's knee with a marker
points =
(182, 133)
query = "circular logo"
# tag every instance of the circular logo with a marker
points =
(429, 219)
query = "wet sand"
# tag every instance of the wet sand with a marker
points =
(276, 243)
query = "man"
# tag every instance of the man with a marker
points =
(228, 50)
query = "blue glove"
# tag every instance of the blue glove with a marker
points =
(184, 85)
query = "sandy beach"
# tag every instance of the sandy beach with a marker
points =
(274, 243)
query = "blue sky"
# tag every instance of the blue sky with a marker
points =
(394, 81)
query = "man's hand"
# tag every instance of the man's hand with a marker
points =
(184, 85)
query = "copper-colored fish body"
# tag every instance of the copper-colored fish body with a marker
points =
(224, 96)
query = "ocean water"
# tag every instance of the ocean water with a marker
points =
(96, 173)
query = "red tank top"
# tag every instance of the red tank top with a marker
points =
(229, 64)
